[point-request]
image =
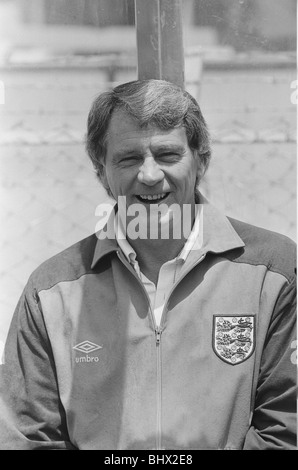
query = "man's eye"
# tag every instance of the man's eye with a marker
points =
(169, 157)
(129, 160)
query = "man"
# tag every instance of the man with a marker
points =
(181, 341)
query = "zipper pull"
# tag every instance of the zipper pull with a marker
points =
(158, 335)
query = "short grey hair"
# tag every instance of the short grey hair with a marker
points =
(150, 102)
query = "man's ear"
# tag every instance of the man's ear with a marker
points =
(201, 167)
(102, 175)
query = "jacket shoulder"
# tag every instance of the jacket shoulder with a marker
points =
(68, 265)
(262, 246)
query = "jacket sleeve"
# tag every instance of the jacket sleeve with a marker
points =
(31, 412)
(274, 424)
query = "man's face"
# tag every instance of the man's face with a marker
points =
(150, 165)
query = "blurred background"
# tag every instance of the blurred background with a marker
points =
(56, 56)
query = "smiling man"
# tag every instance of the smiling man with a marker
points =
(157, 341)
(151, 167)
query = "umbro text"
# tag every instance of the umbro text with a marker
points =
(87, 359)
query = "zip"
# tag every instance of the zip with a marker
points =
(158, 332)
(158, 336)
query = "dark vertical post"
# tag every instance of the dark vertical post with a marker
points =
(148, 38)
(160, 40)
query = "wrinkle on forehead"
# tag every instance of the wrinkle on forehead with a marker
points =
(121, 117)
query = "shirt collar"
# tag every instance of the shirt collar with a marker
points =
(193, 238)
(124, 245)
(212, 231)
(130, 253)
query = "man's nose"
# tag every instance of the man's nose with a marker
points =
(150, 172)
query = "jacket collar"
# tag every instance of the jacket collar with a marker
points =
(107, 244)
(216, 234)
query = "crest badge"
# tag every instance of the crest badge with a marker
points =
(233, 337)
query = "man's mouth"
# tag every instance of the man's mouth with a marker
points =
(152, 198)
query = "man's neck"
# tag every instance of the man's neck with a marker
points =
(152, 254)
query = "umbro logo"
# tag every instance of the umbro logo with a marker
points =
(87, 347)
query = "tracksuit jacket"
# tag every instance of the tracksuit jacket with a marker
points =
(85, 366)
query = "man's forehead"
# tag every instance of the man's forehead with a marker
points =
(123, 126)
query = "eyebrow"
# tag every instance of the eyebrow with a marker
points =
(177, 148)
